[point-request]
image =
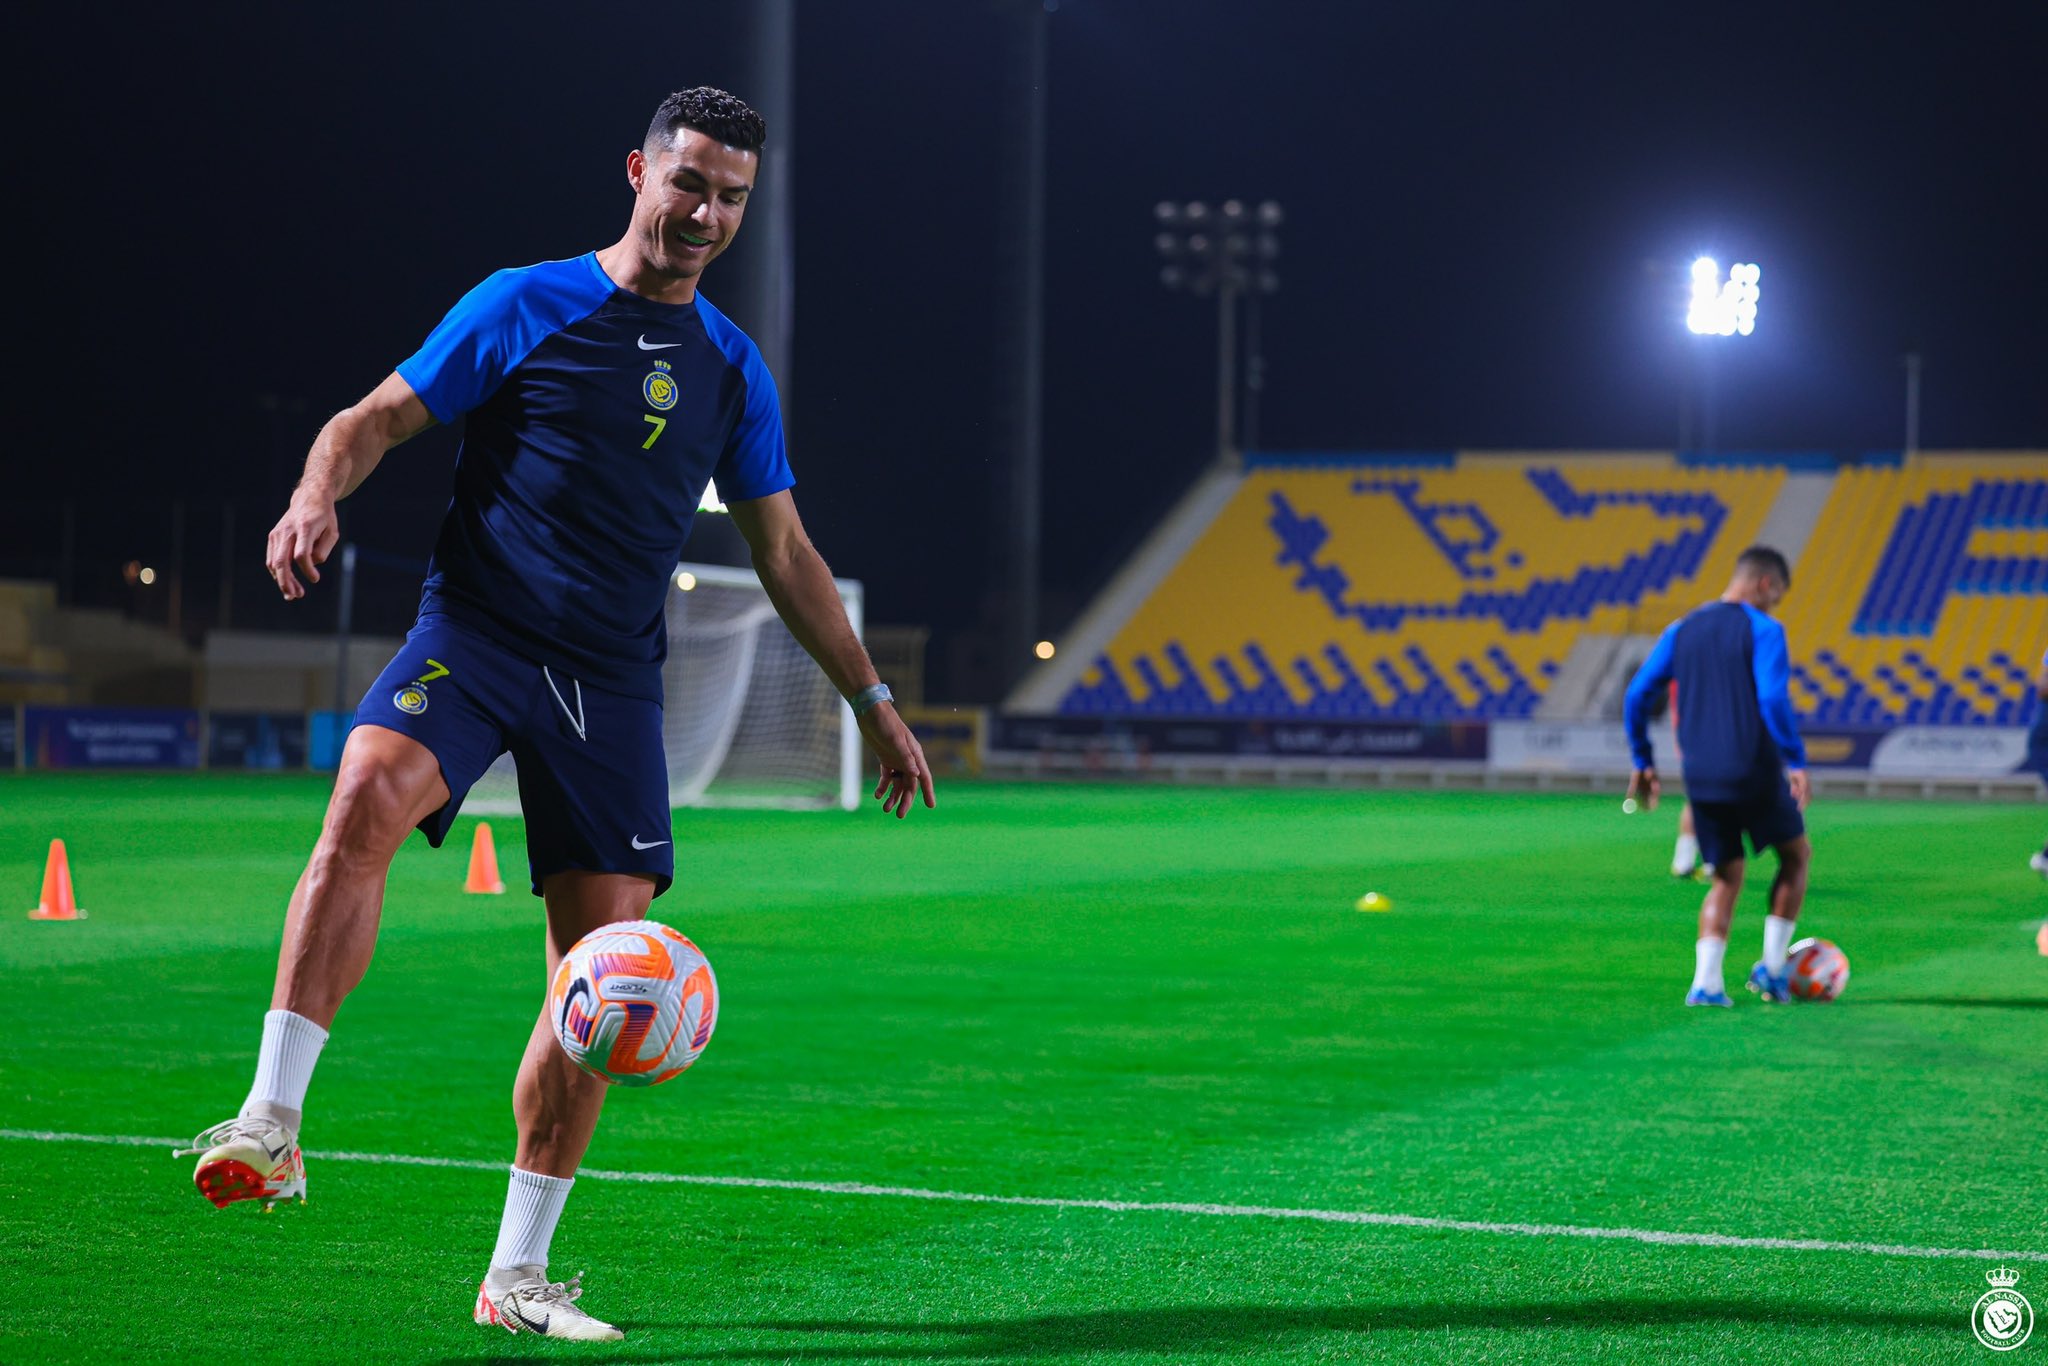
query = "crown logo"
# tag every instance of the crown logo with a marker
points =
(2005, 1278)
(662, 365)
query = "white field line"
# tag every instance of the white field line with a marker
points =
(1321, 1216)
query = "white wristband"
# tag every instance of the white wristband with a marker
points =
(864, 701)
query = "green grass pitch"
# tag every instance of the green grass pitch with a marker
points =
(1139, 994)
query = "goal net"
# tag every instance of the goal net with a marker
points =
(748, 718)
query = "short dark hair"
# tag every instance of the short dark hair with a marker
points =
(1760, 560)
(712, 112)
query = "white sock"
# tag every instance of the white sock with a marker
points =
(1777, 941)
(533, 1204)
(1706, 973)
(1686, 856)
(291, 1045)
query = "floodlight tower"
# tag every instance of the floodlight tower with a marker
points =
(1227, 252)
(1719, 308)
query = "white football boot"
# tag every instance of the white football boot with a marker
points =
(249, 1158)
(524, 1300)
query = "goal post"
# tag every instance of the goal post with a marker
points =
(748, 717)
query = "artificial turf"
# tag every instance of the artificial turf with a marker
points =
(1147, 994)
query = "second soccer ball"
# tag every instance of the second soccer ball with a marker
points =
(1816, 970)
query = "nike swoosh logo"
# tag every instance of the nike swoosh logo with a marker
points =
(541, 1327)
(651, 844)
(646, 345)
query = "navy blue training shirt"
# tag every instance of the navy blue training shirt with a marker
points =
(595, 419)
(1735, 723)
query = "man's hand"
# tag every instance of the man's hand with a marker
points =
(344, 453)
(1801, 786)
(1642, 787)
(904, 770)
(303, 538)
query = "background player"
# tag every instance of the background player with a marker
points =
(1745, 766)
(1685, 854)
(601, 393)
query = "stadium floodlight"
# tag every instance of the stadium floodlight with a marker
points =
(1720, 307)
(1044, 649)
(1227, 250)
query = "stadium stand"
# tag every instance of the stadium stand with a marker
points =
(1452, 587)
(1925, 594)
(1420, 587)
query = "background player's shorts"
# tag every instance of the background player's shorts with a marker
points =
(1768, 821)
(592, 778)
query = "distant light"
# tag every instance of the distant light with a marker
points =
(1723, 307)
(148, 576)
(1043, 649)
(686, 581)
(710, 502)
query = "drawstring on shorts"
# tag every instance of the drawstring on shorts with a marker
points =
(574, 718)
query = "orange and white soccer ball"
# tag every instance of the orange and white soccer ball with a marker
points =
(633, 1003)
(1816, 970)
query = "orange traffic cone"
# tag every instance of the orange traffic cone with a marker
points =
(483, 863)
(57, 902)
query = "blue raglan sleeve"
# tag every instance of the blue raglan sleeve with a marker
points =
(1772, 664)
(756, 462)
(467, 357)
(1653, 676)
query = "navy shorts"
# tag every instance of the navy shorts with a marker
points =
(1768, 822)
(592, 778)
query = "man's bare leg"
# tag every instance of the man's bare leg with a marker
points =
(556, 1105)
(1717, 912)
(555, 1102)
(1788, 894)
(387, 784)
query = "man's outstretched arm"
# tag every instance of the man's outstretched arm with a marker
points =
(344, 453)
(801, 587)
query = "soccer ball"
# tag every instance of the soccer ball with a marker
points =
(633, 1003)
(1817, 970)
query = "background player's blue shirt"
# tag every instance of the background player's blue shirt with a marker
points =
(595, 419)
(1735, 725)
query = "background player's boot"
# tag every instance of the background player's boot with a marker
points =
(1769, 987)
(249, 1158)
(524, 1300)
(2039, 862)
(1700, 996)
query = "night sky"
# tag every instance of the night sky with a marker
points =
(239, 221)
